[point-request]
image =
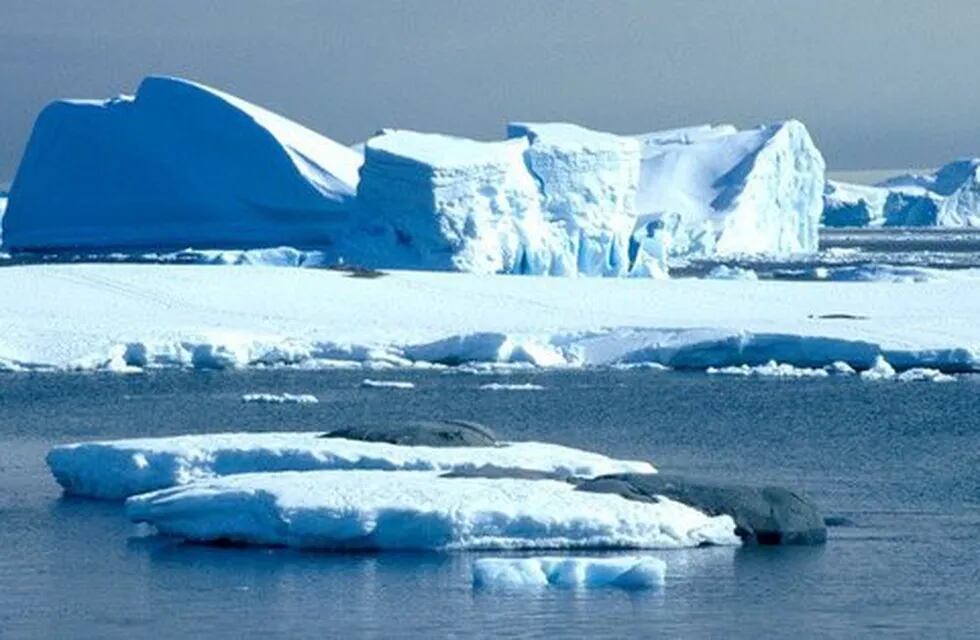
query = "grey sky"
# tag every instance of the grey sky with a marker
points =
(880, 83)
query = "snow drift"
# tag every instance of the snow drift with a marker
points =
(713, 190)
(120, 468)
(177, 164)
(419, 510)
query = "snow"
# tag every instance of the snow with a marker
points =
(771, 369)
(119, 468)
(223, 316)
(387, 384)
(411, 510)
(589, 181)
(949, 197)
(177, 164)
(503, 386)
(439, 202)
(624, 572)
(280, 398)
(720, 192)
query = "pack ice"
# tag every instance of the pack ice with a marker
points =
(120, 468)
(949, 197)
(410, 510)
(177, 164)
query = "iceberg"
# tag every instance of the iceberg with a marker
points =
(438, 202)
(716, 191)
(417, 510)
(177, 164)
(116, 469)
(588, 181)
(624, 572)
(949, 197)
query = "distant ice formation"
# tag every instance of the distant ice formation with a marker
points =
(623, 572)
(950, 197)
(280, 398)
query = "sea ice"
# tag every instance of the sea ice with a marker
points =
(280, 398)
(419, 510)
(387, 384)
(771, 369)
(503, 386)
(624, 572)
(119, 468)
(725, 272)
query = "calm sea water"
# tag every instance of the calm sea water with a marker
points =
(900, 461)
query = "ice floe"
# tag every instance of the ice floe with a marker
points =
(119, 468)
(387, 384)
(280, 398)
(771, 369)
(504, 386)
(419, 510)
(624, 572)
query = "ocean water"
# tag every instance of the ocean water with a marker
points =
(898, 462)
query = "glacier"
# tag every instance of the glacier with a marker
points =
(713, 190)
(116, 469)
(419, 510)
(948, 197)
(624, 572)
(177, 164)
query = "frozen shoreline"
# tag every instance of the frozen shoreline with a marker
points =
(129, 317)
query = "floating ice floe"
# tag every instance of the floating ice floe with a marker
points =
(771, 369)
(503, 386)
(725, 272)
(624, 572)
(387, 384)
(119, 468)
(280, 398)
(419, 510)
(882, 370)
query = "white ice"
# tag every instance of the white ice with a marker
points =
(387, 384)
(771, 369)
(503, 386)
(280, 398)
(624, 572)
(177, 164)
(118, 468)
(419, 510)
(226, 317)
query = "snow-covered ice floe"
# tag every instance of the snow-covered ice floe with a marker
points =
(883, 370)
(387, 384)
(624, 572)
(419, 510)
(504, 386)
(771, 369)
(212, 317)
(119, 468)
(280, 398)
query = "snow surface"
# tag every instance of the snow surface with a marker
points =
(177, 164)
(419, 510)
(219, 317)
(280, 398)
(624, 572)
(949, 197)
(589, 182)
(387, 384)
(718, 191)
(119, 468)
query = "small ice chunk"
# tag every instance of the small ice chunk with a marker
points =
(841, 368)
(629, 572)
(880, 370)
(725, 272)
(387, 384)
(280, 398)
(923, 374)
(771, 369)
(503, 386)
